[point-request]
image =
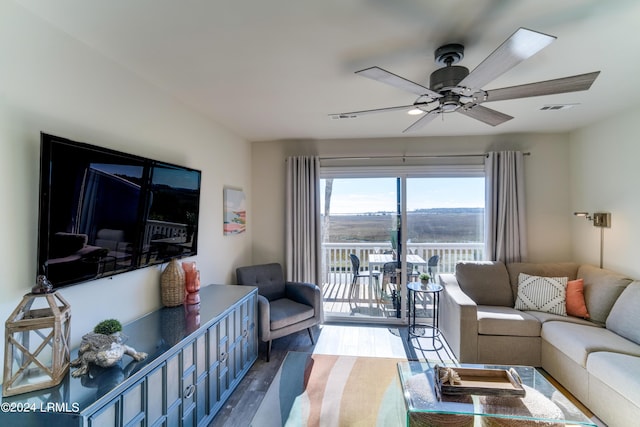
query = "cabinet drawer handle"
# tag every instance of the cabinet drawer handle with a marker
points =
(223, 357)
(188, 392)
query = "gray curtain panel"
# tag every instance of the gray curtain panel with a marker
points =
(303, 219)
(505, 223)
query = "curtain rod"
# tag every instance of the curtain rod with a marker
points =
(432, 156)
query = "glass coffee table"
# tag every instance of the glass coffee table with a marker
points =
(542, 405)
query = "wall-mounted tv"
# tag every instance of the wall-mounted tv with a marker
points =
(104, 212)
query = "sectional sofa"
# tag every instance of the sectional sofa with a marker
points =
(595, 353)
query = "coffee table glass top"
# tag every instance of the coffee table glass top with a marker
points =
(542, 402)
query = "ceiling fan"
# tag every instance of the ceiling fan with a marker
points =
(454, 89)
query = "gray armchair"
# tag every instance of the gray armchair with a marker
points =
(283, 307)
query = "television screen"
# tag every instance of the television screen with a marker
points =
(104, 212)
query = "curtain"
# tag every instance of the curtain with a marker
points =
(505, 225)
(303, 219)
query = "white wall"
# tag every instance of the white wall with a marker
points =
(604, 178)
(547, 183)
(50, 82)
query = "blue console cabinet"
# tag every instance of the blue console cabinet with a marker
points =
(195, 362)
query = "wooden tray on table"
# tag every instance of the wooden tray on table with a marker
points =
(484, 382)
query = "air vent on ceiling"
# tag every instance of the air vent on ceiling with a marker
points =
(555, 107)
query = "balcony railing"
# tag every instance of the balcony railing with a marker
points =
(337, 265)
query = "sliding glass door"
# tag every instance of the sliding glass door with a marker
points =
(383, 230)
(359, 233)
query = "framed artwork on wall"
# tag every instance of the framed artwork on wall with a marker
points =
(235, 212)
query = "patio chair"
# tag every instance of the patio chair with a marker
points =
(431, 263)
(390, 275)
(358, 274)
(283, 307)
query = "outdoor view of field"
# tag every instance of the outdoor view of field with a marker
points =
(455, 225)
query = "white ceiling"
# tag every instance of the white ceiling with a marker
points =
(276, 69)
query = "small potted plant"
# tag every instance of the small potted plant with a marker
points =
(424, 278)
(108, 327)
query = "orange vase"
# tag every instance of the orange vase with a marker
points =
(191, 282)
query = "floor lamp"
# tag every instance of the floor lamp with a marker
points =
(601, 220)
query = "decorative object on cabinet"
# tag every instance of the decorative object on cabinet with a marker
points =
(103, 350)
(108, 327)
(36, 343)
(235, 212)
(172, 284)
(42, 286)
(191, 282)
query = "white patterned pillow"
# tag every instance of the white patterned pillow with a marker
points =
(546, 294)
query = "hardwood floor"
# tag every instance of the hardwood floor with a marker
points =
(345, 339)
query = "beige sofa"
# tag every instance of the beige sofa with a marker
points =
(597, 360)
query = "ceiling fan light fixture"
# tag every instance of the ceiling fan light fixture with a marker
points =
(449, 102)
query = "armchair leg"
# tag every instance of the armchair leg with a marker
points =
(268, 350)
(311, 336)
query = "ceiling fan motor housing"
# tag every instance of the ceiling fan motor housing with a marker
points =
(447, 77)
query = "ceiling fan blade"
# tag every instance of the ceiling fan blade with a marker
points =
(384, 76)
(521, 45)
(422, 121)
(486, 115)
(377, 110)
(548, 87)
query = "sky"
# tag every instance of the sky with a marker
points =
(362, 195)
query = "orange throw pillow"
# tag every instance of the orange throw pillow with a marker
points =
(575, 299)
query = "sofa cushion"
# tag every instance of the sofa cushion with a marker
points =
(486, 283)
(494, 320)
(537, 293)
(550, 317)
(575, 299)
(286, 312)
(578, 341)
(624, 317)
(601, 290)
(546, 269)
(620, 371)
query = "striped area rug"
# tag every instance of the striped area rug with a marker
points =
(329, 390)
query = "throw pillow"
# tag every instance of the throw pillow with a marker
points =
(575, 299)
(547, 294)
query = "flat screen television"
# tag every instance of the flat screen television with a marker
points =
(104, 212)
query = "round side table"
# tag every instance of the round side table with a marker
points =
(429, 288)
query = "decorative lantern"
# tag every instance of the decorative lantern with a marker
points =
(36, 343)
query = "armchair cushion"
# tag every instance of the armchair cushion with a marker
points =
(285, 312)
(267, 277)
